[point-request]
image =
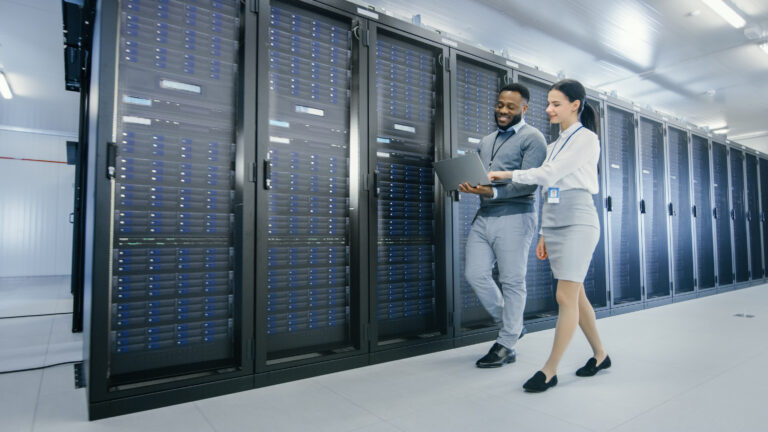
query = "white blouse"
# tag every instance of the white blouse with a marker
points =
(571, 167)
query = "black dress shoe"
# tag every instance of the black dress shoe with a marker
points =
(592, 367)
(538, 383)
(498, 356)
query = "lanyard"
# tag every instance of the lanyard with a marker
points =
(494, 150)
(553, 155)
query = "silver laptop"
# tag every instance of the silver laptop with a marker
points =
(463, 169)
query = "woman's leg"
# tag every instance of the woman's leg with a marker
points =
(588, 325)
(567, 296)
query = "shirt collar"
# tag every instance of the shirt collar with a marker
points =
(515, 126)
(571, 129)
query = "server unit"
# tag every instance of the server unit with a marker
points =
(721, 213)
(654, 209)
(738, 216)
(763, 187)
(753, 217)
(474, 89)
(595, 283)
(539, 281)
(681, 212)
(168, 282)
(703, 213)
(309, 295)
(622, 204)
(408, 83)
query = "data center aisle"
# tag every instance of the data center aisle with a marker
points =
(686, 366)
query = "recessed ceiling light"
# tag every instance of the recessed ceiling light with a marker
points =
(5, 89)
(721, 131)
(764, 47)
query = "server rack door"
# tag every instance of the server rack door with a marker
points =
(475, 89)
(702, 213)
(176, 294)
(764, 207)
(680, 211)
(622, 200)
(653, 207)
(721, 213)
(753, 218)
(738, 217)
(307, 307)
(407, 283)
(539, 281)
(595, 281)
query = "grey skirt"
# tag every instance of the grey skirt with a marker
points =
(571, 230)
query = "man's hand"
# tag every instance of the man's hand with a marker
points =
(483, 190)
(541, 249)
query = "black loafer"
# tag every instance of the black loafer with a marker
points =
(498, 356)
(538, 383)
(591, 368)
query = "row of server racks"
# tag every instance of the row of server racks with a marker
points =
(262, 203)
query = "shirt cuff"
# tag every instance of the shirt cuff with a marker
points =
(495, 192)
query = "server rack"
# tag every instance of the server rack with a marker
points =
(721, 213)
(310, 303)
(475, 86)
(622, 205)
(681, 212)
(757, 270)
(703, 213)
(763, 179)
(168, 289)
(408, 85)
(539, 281)
(738, 217)
(654, 210)
(595, 283)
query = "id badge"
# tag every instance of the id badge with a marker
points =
(553, 195)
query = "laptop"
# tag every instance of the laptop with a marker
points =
(463, 169)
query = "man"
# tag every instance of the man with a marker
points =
(505, 223)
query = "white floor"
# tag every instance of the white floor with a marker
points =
(691, 366)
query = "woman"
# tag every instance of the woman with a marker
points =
(570, 228)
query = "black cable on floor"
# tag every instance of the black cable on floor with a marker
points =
(38, 315)
(41, 367)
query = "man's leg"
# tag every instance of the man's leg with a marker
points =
(479, 267)
(511, 240)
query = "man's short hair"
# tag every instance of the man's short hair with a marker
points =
(517, 87)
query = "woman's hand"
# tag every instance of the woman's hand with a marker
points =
(541, 249)
(499, 175)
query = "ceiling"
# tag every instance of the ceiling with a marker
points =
(676, 57)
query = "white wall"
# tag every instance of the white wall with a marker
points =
(36, 199)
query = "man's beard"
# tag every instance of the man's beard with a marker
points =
(515, 120)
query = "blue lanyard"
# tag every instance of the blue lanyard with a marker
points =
(553, 155)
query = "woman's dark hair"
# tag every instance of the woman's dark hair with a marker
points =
(574, 91)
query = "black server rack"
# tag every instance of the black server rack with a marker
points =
(406, 134)
(595, 285)
(308, 297)
(539, 281)
(738, 216)
(167, 294)
(753, 217)
(703, 212)
(763, 174)
(721, 213)
(680, 210)
(622, 204)
(475, 88)
(654, 209)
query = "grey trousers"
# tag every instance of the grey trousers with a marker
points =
(506, 239)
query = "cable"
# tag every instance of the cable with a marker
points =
(38, 315)
(41, 367)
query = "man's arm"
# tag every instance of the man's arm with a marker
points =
(533, 156)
